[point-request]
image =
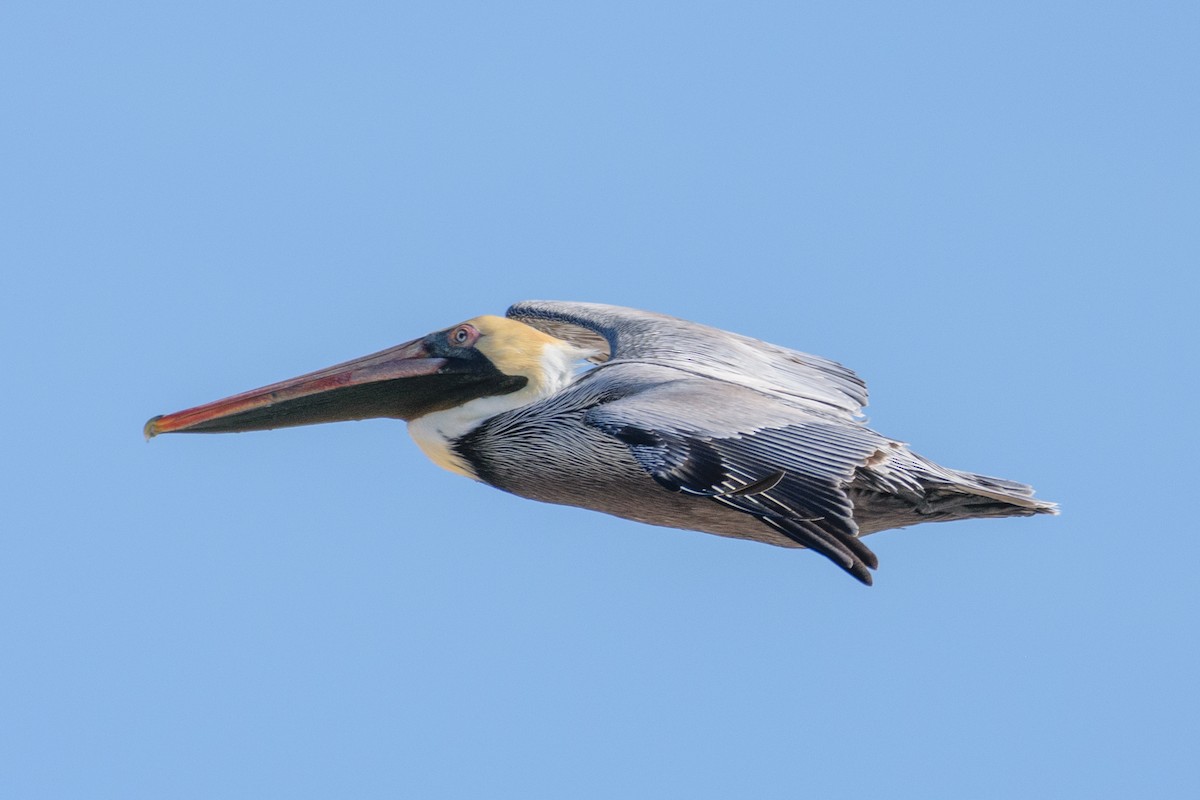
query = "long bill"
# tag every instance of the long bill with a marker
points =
(402, 382)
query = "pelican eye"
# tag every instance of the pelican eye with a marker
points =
(463, 335)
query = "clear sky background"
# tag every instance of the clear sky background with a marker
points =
(990, 212)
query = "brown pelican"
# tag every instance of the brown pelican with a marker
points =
(674, 424)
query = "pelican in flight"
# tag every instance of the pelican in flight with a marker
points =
(643, 416)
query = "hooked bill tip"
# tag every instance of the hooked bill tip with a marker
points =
(150, 429)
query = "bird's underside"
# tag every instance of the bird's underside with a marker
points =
(677, 424)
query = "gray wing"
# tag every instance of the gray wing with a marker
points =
(779, 464)
(631, 335)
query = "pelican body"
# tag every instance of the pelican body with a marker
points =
(643, 416)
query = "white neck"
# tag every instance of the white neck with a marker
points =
(435, 433)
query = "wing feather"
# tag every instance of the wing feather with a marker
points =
(779, 464)
(632, 335)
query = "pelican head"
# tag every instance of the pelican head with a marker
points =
(478, 367)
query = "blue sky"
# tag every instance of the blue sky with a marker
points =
(989, 213)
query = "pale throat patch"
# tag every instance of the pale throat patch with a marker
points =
(548, 372)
